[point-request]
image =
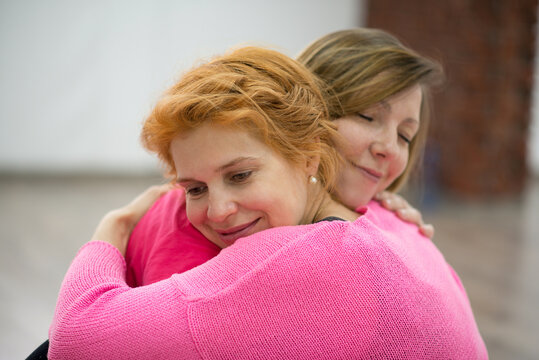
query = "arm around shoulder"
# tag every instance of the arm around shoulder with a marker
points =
(99, 316)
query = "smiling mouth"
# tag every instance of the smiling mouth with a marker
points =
(229, 236)
(369, 173)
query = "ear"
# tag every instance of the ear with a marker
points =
(311, 166)
(313, 162)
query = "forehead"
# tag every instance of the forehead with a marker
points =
(210, 146)
(411, 96)
(406, 103)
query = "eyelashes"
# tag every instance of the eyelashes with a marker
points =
(405, 138)
(241, 177)
(363, 116)
(238, 178)
(195, 191)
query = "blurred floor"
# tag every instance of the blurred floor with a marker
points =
(494, 247)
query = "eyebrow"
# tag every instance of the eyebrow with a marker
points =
(223, 167)
(412, 121)
(235, 162)
(385, 105)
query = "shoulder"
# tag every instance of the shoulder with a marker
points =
(164, 209)
(160, 219)
(266, 251)
(387, 220)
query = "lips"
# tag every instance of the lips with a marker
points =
(369, 173)
(230, 235)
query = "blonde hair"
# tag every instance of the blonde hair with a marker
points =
(362, 67)
(257, 90)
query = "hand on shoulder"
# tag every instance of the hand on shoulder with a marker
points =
(404, 211)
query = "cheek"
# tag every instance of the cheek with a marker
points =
(257, 199)
(355, 137)
(286, 211)
(288, 203)
(399, 164)
(298, 201)
(195, 213)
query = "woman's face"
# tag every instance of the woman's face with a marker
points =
(376, 146)
(236, 185)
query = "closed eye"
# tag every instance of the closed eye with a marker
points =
(405, 138)
(363, 116)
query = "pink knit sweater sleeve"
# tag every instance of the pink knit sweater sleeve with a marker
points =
(371, 289)
(99, 317)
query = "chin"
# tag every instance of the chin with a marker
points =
(352, 202)
(363, 200)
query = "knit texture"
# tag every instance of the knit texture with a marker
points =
(371, 289)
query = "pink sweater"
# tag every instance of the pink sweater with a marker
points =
(371, 289)
(164, 242)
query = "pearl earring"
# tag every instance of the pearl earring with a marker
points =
(313, 180)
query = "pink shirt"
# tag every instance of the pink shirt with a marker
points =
(368, 289)
(165, 243)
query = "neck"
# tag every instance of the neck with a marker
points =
(324, 206)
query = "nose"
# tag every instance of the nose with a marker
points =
(385, 145)
(221, 205)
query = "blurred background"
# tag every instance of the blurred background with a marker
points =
(77, 79)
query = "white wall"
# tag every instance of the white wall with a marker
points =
(78, 77)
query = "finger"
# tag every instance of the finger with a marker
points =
(410, 215)
(393, 202)
(427, 230)
(383, 195)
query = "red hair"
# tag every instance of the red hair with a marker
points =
(257, 90)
